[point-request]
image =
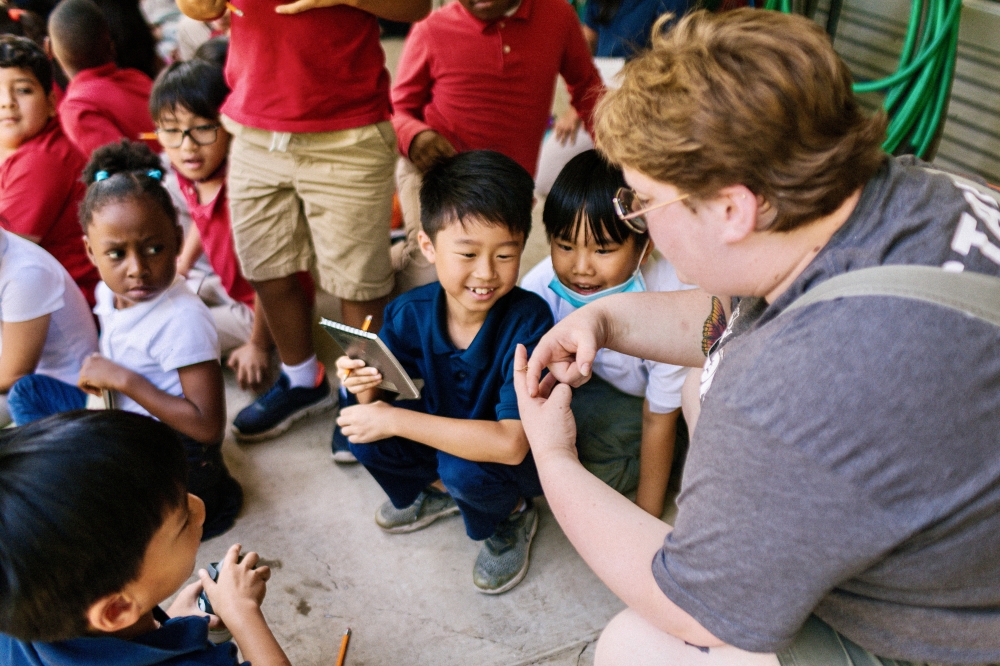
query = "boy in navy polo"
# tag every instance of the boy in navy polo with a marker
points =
(460, 446)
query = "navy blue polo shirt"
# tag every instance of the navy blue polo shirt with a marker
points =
(628, 30)
(473, 383)
(181, 641)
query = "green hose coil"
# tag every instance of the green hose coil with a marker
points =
(916, 95)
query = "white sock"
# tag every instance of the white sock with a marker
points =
(304, 374)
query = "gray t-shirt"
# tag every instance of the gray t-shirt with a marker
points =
(847, 462)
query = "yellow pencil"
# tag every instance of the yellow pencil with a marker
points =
(234, 9)
(364, 327)
(347, 634)
(148, 136)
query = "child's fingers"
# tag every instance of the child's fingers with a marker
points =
(232, 555)
(206, 581)
(263, 572)
(249, 560)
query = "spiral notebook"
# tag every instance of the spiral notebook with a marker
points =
(367, 347)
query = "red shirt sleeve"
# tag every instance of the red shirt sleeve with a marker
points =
(32, 197)
(582, 77)
(88, 129)
(412, 91)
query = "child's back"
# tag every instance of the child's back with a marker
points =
(103, 103)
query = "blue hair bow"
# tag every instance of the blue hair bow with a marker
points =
(100, 175)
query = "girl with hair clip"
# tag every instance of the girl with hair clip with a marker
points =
(159, 351)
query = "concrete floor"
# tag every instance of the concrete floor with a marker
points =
(408, 598)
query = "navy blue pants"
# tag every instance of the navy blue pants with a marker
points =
(486, 493)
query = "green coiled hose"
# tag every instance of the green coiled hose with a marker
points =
(917, 94)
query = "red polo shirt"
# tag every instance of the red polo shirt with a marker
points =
(212, 221)
(490, 85)
(318, 71)
(40, 194)
(105, 104)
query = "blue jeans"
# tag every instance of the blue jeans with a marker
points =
(485, 493)
(34, 397)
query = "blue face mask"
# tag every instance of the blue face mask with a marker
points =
(635, 283)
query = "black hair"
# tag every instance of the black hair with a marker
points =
(197, 85)
(135, 44)
(481, 184)
(23, 23)
(80, 35)
(582, 194)
(215, 50)
(120, 171)
(23, 53)
(82, 494)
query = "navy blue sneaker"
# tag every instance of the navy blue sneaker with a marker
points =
(274, 412)
(340, 447)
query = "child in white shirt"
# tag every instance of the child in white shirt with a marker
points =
(627, 413)
(45, 322)
(159, 351)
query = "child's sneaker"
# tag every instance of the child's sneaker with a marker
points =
(503, 559)
(429, 506)
(274, 412)
(340, 447)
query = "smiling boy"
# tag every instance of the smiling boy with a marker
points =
(460, 446)
(98, 530)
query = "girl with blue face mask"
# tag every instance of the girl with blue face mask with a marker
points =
(627, 413)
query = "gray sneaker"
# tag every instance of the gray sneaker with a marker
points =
(428, 507)
(503, 559)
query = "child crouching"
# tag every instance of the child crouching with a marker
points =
(460, 447)
(626, 415)
(159, 351)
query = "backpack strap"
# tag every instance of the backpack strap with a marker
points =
(975, 294)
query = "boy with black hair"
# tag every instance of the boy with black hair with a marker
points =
(98, 529)
(460, 446)
(103, 103)
(40, 188)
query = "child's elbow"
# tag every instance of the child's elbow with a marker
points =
(516, 447)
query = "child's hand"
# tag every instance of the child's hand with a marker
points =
(427, 148)
(240, 588)
(100, 373)
(251, 365)
(361, 377)
(364, 424)
(186, 604)
(566, 127)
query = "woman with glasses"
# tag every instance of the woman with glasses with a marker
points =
(841, 498)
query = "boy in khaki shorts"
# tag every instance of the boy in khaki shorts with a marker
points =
(310, 175)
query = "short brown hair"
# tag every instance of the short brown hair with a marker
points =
(749, 97)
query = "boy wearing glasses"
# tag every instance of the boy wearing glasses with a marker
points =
(103, 103)
(185, 103)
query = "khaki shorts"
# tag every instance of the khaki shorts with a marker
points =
(322, 198)
(817, 644)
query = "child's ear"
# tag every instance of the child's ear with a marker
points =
(647, 252)
(426, 246)
(51, 97)
(90, 250)
(113, 612)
